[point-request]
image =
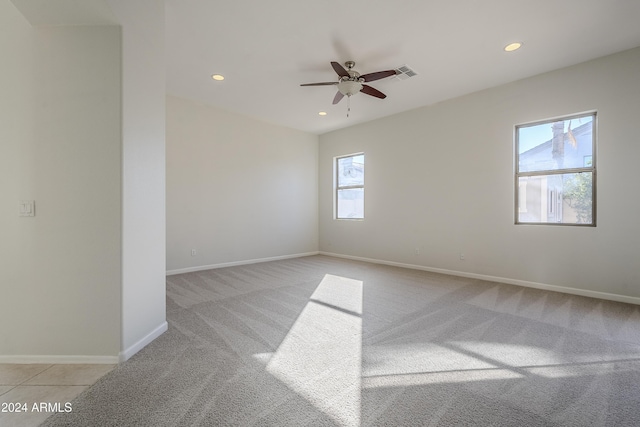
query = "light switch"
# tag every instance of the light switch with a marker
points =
(27, 208)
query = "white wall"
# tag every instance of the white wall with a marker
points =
(238, 189)
(59, 145)
(82, 133)
(440, 178)
(143, 172)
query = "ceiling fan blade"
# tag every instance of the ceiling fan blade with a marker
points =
(378, 75)
(339, 69)
(320, 84)
(373, 92)
(338, 97)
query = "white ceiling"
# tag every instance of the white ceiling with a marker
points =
(267, 48)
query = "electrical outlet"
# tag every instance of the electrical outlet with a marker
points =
(193, 252)
(417, 251)
(461, 256)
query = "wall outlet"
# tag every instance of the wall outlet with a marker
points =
(193, 252)
(417, 251)
(461, 256)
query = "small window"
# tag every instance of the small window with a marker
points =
(349, 184)
(556, 171)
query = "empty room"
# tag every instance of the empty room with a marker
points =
(287, 213)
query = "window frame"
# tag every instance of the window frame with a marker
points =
(337, 187)
(590, 169)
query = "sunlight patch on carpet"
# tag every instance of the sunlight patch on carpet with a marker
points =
(320, 358)
(447, 377)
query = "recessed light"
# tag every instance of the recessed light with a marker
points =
(322, 113)
(513, 46)
(218, 77)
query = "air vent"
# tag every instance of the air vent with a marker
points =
(404, 72)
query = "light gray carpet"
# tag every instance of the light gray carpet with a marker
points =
(321, 341)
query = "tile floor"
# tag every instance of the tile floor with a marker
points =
(38, 384)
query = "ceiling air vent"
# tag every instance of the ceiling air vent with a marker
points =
(404, 72)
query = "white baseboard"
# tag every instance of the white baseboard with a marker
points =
(234, 263)
(524, 283)
(60, 360)
(143, 342)
(86, 360)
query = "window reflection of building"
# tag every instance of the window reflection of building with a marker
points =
(541, 198)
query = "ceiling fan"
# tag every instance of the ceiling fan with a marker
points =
(351, 82)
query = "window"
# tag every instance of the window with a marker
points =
(349, 201)
(555, 180)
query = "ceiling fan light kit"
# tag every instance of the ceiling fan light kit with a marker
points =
(351, 82)
(349, 87)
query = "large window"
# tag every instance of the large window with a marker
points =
(555, 180)
(349, 186)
